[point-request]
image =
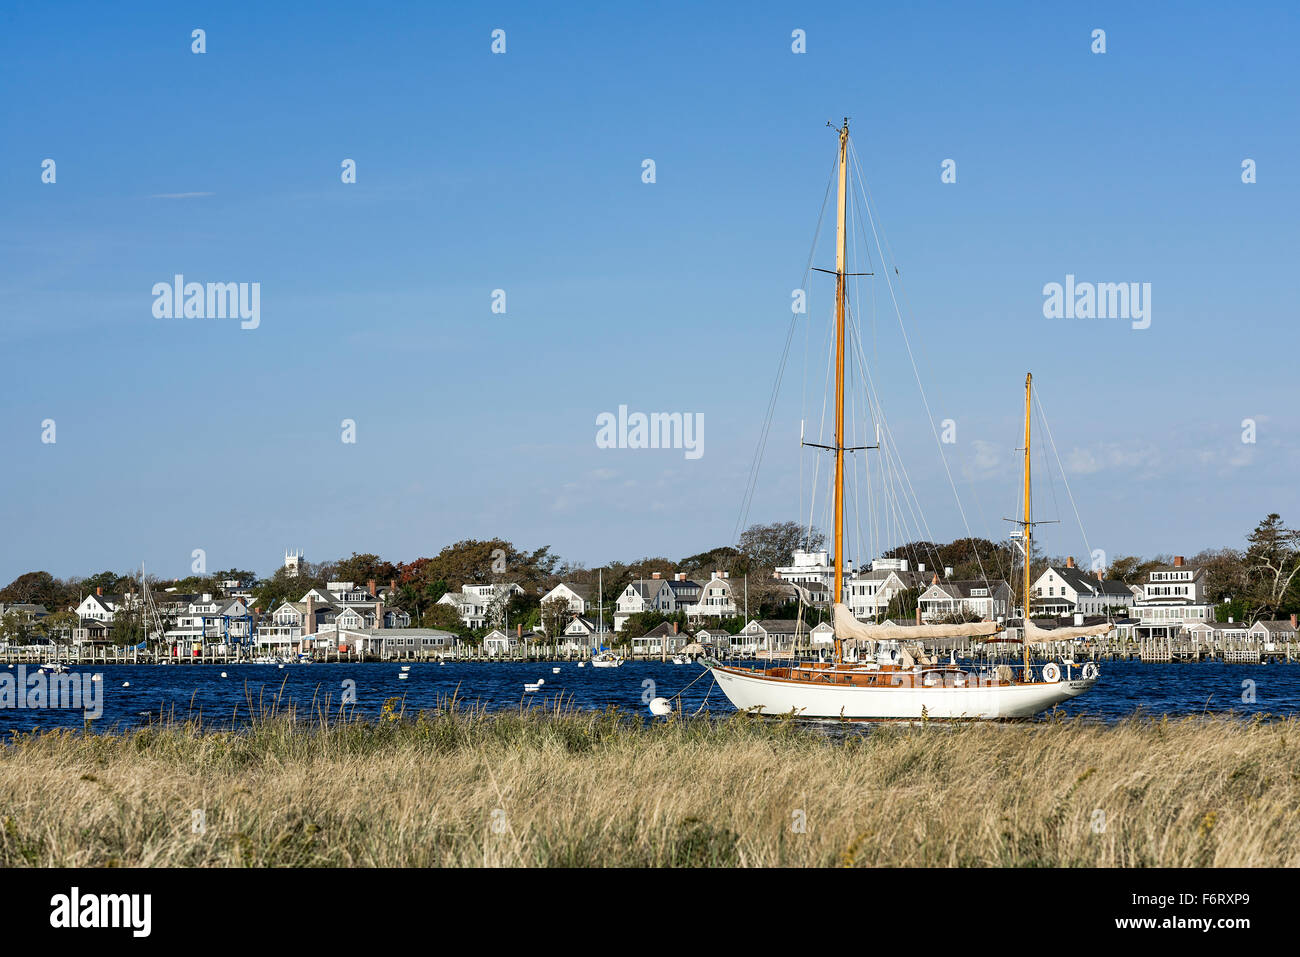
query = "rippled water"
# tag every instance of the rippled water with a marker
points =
(199, 690)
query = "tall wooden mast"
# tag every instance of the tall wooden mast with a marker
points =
(838, 594)
(1028, 523)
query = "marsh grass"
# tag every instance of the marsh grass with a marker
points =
(458, 786)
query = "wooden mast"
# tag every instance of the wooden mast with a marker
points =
(838, 594)
(1028, 524)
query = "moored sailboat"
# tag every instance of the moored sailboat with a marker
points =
(881, 671)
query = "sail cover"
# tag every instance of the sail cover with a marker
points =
(1043, 636)
(846, 626)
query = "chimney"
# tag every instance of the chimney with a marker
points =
(519, 631)
(920, 567)
(674, 628)
(99, 590)
(1293, 623)
(1069, 562)
(947, 571)
(934, 580)
(1178, 561)
(1230, 621)
(1099, 576)
(681, 576)
(370, 586)
(654, 575)
(392, 586)
(310, 626)
(379, 612)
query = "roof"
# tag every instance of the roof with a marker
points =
(586, 591)
(963, 588)
(659, 630)
(1275, 626)
(778, 626)
(1082, 581)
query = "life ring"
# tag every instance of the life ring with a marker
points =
(1051, 672)
(1090, 671)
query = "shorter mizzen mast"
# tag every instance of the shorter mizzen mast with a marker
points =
(1028, 524)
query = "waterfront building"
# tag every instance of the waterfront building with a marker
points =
(986, 600)
(1066, 590)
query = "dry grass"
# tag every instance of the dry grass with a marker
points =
(536, 789)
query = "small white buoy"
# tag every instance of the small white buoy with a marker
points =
(126, 684)
(281, 666)
(96, 677)
(223, 674)
(555, 671)
(659, 707)
(582, 664)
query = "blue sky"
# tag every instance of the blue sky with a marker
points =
(522, 172)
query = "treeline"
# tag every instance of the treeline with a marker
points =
(1261, 579)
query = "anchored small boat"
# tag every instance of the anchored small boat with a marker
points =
(882, 671)
(606, 659)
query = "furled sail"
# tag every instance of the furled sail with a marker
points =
(1042, 636)
(846, 626)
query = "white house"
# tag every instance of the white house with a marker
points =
(497, 642)
(716, 599)
(988, 600)
(99, 607)
(479, 605)
(869, 593)
(822, 635)
(579, 596)
(1065, 590)
(1173, 598)
(644, 594)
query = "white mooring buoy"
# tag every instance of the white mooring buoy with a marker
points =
(126, 684)
(555, 671)
(660, 707)
(223, 674)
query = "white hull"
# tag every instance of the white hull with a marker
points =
(748, 690)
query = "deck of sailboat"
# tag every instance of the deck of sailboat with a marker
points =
(875, 676)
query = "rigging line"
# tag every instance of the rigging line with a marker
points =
(821, 430)
(748, 498)
(902, 286)
(915, 372)
(911, 499)
(1064, 478)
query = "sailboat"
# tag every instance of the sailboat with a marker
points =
(602, 657)
(881, 671)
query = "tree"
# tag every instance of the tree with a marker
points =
(770, 546)
(555, 615)
(902, 607)
(444, 618)
(1272, 566)
(361, 569)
